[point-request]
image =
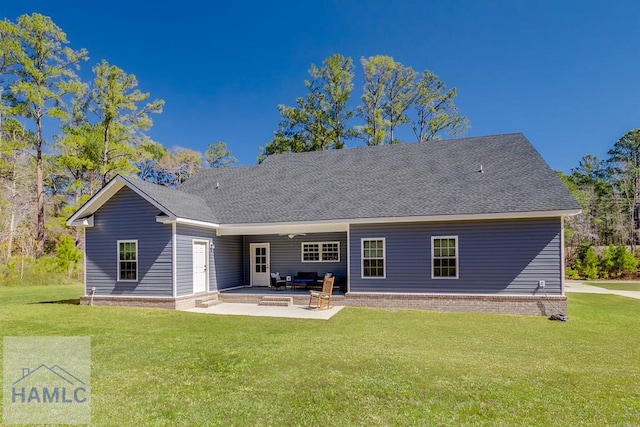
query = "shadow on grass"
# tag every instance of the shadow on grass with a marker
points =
(74, 301)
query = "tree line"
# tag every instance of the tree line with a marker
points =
(603, 240)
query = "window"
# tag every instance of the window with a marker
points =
(444, 256)
(373, 258)
(331, 251)
(321, 252)
(127, 260)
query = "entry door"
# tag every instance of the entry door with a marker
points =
(200, 266)
(260, 264)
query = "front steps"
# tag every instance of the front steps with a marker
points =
(208, 301)
(276, 301)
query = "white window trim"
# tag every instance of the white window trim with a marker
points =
(384, 258)
(433, 238)
(118, 259)
(319, 251)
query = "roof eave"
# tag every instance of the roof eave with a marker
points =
(186, 221)
(85, 222)
(343, 224)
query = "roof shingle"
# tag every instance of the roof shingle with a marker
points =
(178, 203)
(402, 180)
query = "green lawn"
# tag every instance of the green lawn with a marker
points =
(362, 367)
(617, 286)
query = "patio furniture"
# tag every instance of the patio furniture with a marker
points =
(324, 295)
(277, 282)
(320, 281)
(304, 279)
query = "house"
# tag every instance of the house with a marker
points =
(471, 224)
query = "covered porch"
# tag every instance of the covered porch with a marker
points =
(300, 259)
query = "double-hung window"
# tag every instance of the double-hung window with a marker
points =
(444, 257)
(373, 258)
(127, 260)
(321, 252)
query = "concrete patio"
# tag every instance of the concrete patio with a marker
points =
(293, 311)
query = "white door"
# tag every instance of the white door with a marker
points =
(260, 264)
(200, 266)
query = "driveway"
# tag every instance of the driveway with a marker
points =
(572, 286)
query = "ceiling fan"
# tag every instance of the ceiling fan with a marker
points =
(292, 235)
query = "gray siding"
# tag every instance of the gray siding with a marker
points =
(225, 261)
(495, 257)
(127, 216)
(286, 254)
(228, 261)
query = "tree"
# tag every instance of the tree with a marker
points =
(151, 155)
(15, 178)
(377, 71)
(218, 155)
(181, 164)
(435, 109)
(45, 75)
(115, 101)
(624, 167)
(78, 151)
(320, 120)
(400, 91)
(390, 90)
(9, 49)
(67, 255)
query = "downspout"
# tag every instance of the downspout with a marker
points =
(84, 250)
(174, 260)
(348, 258)
(562, 255)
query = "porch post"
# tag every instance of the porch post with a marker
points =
(348, 258)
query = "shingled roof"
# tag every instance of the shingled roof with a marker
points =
(172, 203)
(177, 203)
(484, 175)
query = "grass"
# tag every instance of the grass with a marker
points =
(617, 286)
(362, 367)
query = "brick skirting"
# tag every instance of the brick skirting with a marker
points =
(503, 304)
(178, 303)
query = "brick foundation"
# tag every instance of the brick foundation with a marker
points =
(178, 303)
(503, 304)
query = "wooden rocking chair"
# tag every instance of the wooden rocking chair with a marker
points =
(324, 294)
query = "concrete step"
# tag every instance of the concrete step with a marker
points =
(276, 301)
(207, 301)
(210, 303)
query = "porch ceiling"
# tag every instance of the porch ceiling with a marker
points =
(281, 228)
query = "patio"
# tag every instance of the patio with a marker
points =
(292, 312)
(253, 295)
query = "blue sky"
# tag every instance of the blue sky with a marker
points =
(565, 73)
